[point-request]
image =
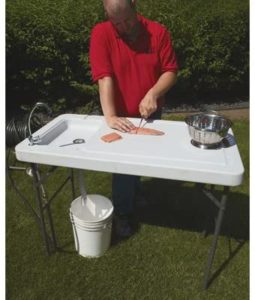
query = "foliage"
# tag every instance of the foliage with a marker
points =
(47, 46)
(47, 50)
(211, 40)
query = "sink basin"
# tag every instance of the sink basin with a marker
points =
(170, 156)
(65, 129)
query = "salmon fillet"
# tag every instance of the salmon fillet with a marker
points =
(111, 137)
(146, 131)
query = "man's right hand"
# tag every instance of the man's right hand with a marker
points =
(119, 123)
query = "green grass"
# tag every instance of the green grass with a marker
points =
(165, 259)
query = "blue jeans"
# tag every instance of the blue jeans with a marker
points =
(124, 187)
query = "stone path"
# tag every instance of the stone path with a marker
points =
(232, 114)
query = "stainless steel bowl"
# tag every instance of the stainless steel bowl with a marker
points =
(207, 129)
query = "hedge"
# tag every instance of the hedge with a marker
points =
(47, 46)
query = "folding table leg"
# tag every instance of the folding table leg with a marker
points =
(72, 183)
(44, 216)
(221, 205)
(51, 225)
(40, 207)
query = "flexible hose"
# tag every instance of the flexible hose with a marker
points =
(85, 200)
(82, 187)
(17, 129)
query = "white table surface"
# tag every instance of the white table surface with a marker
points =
(170, 156)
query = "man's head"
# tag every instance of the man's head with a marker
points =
(123, 16)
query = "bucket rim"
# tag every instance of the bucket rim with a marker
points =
(96, 228)
(91, 224)
(76, 207)
(98, 220)
(95, 220)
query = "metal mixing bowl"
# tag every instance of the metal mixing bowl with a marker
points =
(207, 129)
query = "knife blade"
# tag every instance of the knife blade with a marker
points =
(140, 123)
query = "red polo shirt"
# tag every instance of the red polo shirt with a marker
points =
(134, 68)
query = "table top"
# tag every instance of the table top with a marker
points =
(170, 156)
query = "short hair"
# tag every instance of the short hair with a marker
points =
(115, 6)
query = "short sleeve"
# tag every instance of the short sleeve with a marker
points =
(167, 54)
(99, 54)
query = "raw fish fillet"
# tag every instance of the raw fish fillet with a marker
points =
(111, 137)
(146, 131)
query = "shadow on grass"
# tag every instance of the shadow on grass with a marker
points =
(175, 205)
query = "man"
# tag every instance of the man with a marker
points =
(133, 61)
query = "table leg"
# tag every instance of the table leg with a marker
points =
(44, 216)
(221, 205)
(72, 183)
(51, 225)
(38, 192)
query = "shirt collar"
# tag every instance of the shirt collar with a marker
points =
(142, 27)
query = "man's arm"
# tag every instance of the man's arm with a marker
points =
(106, 92)
(101, 72)
(149, 104)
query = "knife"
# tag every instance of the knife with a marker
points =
(140, 123)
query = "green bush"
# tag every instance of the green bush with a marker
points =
(47, 46)
(47, 50)
(211, 40)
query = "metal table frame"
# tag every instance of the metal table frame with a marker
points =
(221, 205)
(42, 212)
(44, 216)
(43, 205)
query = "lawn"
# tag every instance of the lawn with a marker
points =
(164, 259)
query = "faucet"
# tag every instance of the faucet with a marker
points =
(36, 139)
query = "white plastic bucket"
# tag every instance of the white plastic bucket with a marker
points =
(92, 233)
(103, 208)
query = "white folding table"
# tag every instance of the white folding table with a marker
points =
(170, 156)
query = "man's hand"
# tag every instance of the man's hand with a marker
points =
(148, 105)
(121, 124)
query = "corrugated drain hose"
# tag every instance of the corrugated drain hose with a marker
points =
(17, 129)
